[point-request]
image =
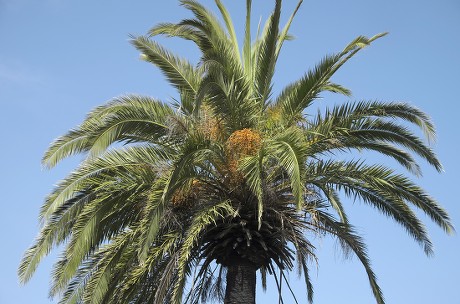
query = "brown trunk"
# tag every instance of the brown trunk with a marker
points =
(241, 283)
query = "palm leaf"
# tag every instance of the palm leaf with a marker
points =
(266, 54)
(178, 71)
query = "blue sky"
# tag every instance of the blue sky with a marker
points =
(60, 58)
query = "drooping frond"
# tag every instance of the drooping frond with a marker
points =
(386, 191)
(124, 119)
(371, 125)
(118, 163)
(199, 223)
(188, 30)
(252, 167)
(52, 234)
(289, 150)
(107, 258)
(350, 241)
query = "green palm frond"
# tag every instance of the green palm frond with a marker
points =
(120, 120)
(160, 258)
(94, 225)
(247, 46)
(394, 133)
(378, 186)
(223, 49)
(230, 27)
(187, 29)
(300, 94)
(266, 51)
(289, 149)
(350, 241)
(210, 24)
(308, 283)
(52, 234)
(284, 35)
(151, 216)
(199, 223)
(334, 199)
(178, 71)
(252, 167)
(107, 258)
(371, 125)
(113, 163)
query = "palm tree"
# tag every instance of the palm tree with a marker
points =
(187, 201)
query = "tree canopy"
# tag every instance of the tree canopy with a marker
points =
(172, 198)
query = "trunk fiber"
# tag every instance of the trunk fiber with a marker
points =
(241, 283)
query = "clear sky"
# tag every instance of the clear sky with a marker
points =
(61, 58)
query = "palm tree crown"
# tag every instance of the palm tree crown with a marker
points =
(232, 176)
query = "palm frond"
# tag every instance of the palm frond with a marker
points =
(200, 221)
(266, 60)
(289, 150)
(120, 120)
(252, 169)
(178, 71)
(107, 258)
(52, 234)
(378, 186)
(300, 94)
(371, 125)
(184, 30)
(230, 27)
(351, 241)
(114, 163)
(247, 52)
(284, 35)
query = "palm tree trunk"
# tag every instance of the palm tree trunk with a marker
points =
(241, 283)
